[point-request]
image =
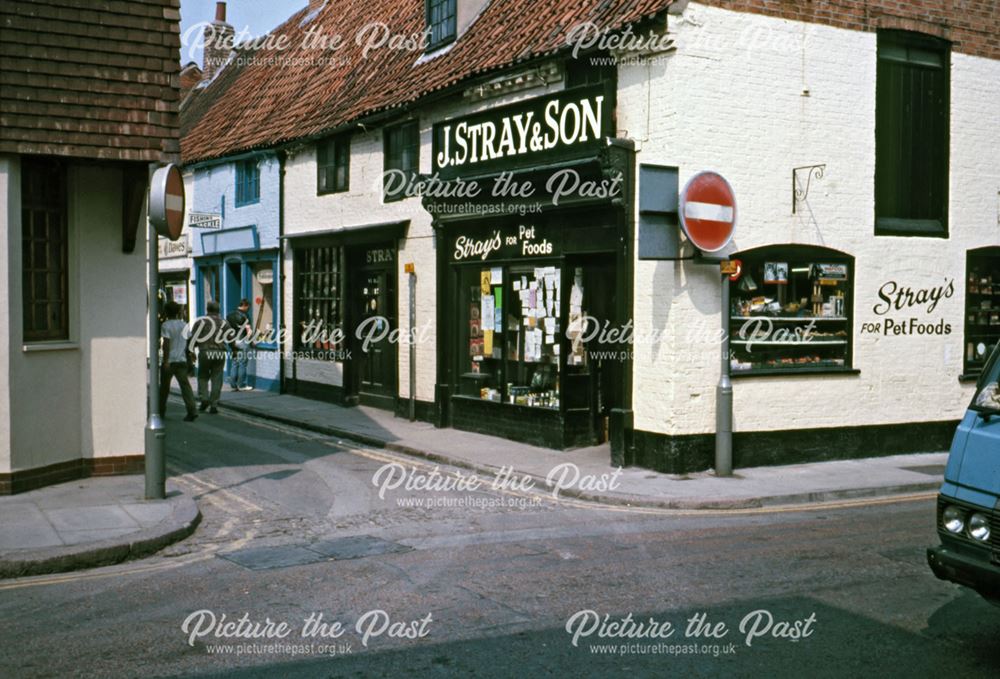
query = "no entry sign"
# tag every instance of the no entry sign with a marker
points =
(708, 211)
(166, 202)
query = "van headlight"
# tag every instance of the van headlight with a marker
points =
(953, 519)
(979, 527)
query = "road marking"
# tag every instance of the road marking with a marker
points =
(118, 570)
(189, 474)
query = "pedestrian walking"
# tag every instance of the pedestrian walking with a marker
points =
(208, 336)
(177, 360)
(240, 346)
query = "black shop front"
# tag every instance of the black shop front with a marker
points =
(528, 285)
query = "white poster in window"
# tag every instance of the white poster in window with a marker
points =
(487, 314)
(180, 294)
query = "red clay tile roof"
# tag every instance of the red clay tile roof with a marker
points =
(90, 80)
(260, 104)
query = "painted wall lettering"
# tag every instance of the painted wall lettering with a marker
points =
(895, 297)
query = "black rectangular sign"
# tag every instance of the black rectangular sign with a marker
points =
(562, 126)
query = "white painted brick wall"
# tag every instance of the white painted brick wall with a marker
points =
(361, 205)
(719, 104)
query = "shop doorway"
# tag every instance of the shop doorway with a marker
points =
(234, 287)
(373, 345)
(604, 359)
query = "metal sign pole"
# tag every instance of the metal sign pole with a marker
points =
(413, 346)
(724, 397)
(156, 433)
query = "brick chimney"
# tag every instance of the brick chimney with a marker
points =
(218, 42)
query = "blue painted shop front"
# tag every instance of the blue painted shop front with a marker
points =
(231, 276)
(236, 255)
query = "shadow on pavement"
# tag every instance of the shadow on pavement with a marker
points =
(843, 644)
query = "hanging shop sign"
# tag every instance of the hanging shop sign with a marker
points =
(569, 124)
(265, 276)
(205, 220)
(507, 242)
(708, 211)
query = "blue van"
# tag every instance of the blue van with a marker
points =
(968, 509)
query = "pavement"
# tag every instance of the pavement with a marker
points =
(89, 522)
(486, 456)
(105, 520)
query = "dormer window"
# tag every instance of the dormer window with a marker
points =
(441, 23)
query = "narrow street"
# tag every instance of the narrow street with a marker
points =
(500, 574)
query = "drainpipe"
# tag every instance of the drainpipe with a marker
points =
(281, 271)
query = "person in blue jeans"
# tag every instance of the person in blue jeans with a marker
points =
(240, 346)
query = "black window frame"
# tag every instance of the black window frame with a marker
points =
(44, 233)
(318, 287)
(912, 151)
(590, 69)
(247, 176)
(339, 147)
(795, 256)
(396, 139)
(982, 271)
(441, 17)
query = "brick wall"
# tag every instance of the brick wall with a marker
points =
(753, 96)
(213, 182)
(362, 204)
(972, 25)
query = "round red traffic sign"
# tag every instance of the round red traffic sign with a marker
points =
(166, 202)
(708, 211)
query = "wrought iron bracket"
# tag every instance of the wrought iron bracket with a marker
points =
(800, 194)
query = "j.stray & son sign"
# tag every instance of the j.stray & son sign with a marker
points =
(569, 124)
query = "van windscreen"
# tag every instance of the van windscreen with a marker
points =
(988, 394)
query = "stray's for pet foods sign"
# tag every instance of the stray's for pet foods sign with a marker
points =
(569, 124)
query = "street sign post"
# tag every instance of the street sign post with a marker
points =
(166, 218)
(708, 217)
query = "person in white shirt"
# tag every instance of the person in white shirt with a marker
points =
(176, 361)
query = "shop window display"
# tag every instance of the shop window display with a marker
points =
(982, 307)
(263, 301)
(791, 311)
(515, 333)
(318, 312)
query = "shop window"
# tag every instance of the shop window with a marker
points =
(589, 70)
(791, 310)
(333, 157)
(317, 301)
(402, 155)
(513, 335)
(262, 301)
(247, 182)
(982, 307)
(210, 290)
(45, 250)
(441, 16)
(911, 135)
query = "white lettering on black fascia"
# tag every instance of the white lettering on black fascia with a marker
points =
(561, 124)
